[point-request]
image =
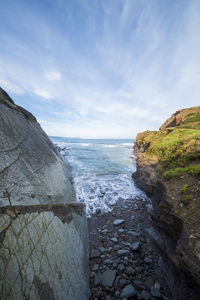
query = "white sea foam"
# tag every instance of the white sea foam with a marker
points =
(101, 177)
(110, 146)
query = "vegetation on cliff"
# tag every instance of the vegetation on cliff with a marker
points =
(176, 148)
(7, 100)
(168, 165)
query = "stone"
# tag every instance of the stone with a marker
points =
(118, 222)
(114, 239)
(133, 233)
(108, 278)
(148, 260)
(135, 246)
(102, 249)
(122, 252)
(121, 267)
(130, 271)
(94, 253)
(149, 282)
(116, 247)
(95, 267)
(155, 292)
(121, 230)
(123, 282)
(97, 279)
(108, 261)
(128, 291)
(145, 295)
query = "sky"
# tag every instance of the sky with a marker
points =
(100, 68)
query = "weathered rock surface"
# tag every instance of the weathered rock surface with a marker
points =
(43, 232)
(168, 168)
(30, 165)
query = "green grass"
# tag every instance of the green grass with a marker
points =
(177, 172)
(186, 199)
(184, 189)
(177, 149)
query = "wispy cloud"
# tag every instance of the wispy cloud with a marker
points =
(110, 68)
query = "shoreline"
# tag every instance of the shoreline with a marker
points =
(123, 264)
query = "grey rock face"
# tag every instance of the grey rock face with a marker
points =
(43, 231)
(42, 241)
(31, 169)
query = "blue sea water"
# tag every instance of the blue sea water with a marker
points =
(101, 170)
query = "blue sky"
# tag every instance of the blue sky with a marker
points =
(101, 68)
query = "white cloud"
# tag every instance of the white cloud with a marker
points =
(44, 94)
(53, 75)
(11, 87)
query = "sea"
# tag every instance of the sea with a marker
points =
(101, 171)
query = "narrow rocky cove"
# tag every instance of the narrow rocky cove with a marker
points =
(123, 264)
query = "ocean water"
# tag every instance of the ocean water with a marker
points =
(101, 171)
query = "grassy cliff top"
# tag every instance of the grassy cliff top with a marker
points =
(7, 100)
(177, 148)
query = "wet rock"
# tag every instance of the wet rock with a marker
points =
(108, 261)
(148, 260)
(126, 244)
(122, 252)
(121, 267)
(118, 222)
(94, 253)
(128, 291)
(97, 279)
(149, 282)
(139, 284)
(121, 230)
(102, 249)
(116, 247)
(108, 278)
(98, 211)
(95, 267)
(133, 233)
(155, 292)
(135, 246)
(130, 271)
(145, 295)
(123, 282)
(114, 239)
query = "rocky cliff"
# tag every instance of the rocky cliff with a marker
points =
(43, 231)
(168, 168)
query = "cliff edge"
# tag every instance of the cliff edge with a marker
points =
(168, 168)
(43, 231)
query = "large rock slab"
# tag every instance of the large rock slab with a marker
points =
(43, 253)
(29, 162)
(43, 232)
